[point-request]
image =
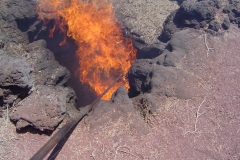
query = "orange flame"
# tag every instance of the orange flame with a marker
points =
(103, 53)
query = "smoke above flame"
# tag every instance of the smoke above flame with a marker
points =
(103, 52)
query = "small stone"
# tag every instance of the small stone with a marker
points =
(215, 26)
(1, 44)
(226, 23)
(203, 24)
(226, 10)
(238, 21)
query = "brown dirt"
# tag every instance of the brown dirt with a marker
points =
(144, 18)
(204, 127)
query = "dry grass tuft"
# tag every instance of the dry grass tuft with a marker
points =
(7, 134)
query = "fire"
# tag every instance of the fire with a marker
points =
(103, 52)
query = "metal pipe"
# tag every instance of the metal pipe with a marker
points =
(42, 152)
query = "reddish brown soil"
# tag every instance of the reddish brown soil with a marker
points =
(205, 127)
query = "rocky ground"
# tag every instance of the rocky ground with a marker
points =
(29, 72)
(184, 104)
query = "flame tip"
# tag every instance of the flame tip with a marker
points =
(103, 51)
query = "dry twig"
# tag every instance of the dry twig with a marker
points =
(198, 114)
(126, 151)
(205, 42)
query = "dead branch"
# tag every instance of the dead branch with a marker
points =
(198, 114)
(205, 42)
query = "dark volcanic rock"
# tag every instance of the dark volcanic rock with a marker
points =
(169, 27)
(120, 96)
(15, 15)
(15, 79)
(14, 72)
(226, 23)
(1, 42)
(148, 51)
(163, 76)
(11, 34)
(171, 82)
(29, 72)
(167, 79)
(233, 11)
(120, 107)
(180, 40)
(179, 1)
(44, 109)
(214, 25)
(25, 66)
(46, 69)
(198, 10)
(16, 9)
(139, 74)
(199, 14)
